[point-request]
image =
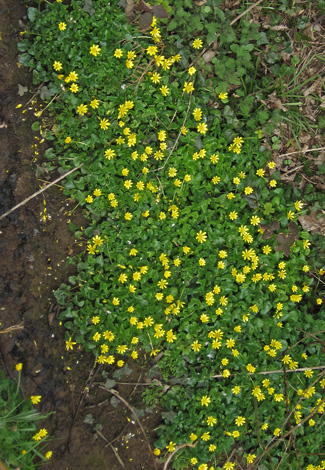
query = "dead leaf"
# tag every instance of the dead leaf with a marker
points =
(145, 20)
(312, 87)
(312, 223)
(142, 6)
(88, 8)
(208, 56)
(129, 10)
(277, 104)
(160, 12)
(22, 89)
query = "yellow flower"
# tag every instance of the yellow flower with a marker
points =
(191, 71)
(170, 336)
(251, 458)
(201, 236)
(298, 205)
(202, 128)
(171, 447)
(96, 336)
(118, 53)
(62, 26)
(205, 400)
(197, 43)
(240, 421)
(82, 109)
(69, 344)
(211, 421)
(206, 436)
(196, 346)
(19, 366)
(197, 114)
(155, 78)
(229, 466)
(164, 90)
(273, 183)
(233, 215)
(57, 66)
(35, 399)
(48, 454)
(271, 165)
(156, 452)
(188, 87)
(94, 50)
(223, 96)
(290, 215)
(152, 50)
(104, 124)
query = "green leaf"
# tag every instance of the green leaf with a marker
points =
(32, 14)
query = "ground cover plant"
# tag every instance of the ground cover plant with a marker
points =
(21, 439)
(192, 252)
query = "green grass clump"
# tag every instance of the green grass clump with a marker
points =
(20, 444)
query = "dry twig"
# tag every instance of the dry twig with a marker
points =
(39, 192)
(175, 451)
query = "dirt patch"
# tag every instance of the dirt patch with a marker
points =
(35, 242)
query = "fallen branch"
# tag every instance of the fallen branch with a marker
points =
(301, 151)
(175, 451)
(266, 372)
(12, 328)
(39, 192)
(246, 11)
(113, 448)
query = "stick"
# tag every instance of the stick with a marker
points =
(301, 151)
(39, 192)
(302, 369)
(176, 450)
(246, 11)
(113, 448)
(12, 328)
(179, 134)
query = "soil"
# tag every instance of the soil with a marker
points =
(33, 264)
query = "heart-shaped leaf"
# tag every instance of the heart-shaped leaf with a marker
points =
(294, 229)
(145, 20)
(160, 12)
(142, 6)
(274, 225)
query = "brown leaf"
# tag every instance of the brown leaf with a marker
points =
(293, 229)
(160, 12)
(274, 225)
(142, 6)
(145, 20)
(129, 10)
(267, 234)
